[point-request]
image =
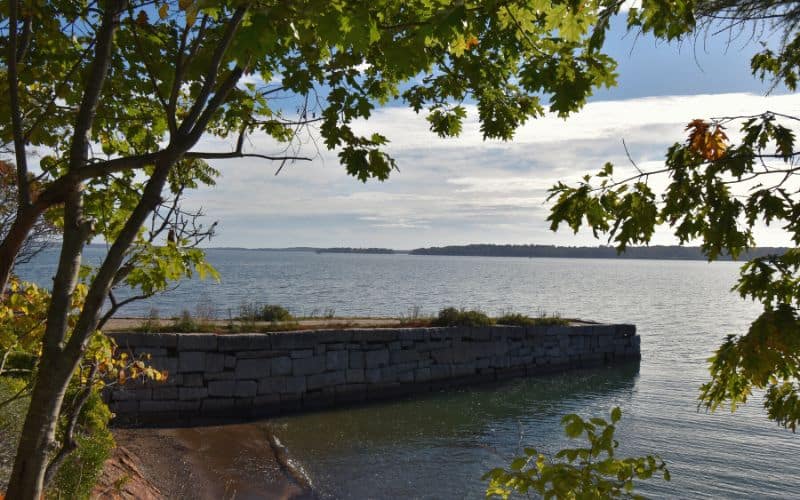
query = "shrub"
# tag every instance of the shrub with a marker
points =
(78, 474)
(185, 323)
(589, 471)
(273, 312)
(451, 316)
(517, 319)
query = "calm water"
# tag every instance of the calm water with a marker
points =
(437, 446)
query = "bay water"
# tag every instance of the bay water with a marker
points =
(438, 445)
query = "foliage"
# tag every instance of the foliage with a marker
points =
(273, 312)
(719, 189)
(83, 439)
(78, 474)
(450, 316)
(115, 97)
(517, 319)
(591, 471)
(718, 192)
(185, 323)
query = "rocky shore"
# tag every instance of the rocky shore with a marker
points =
(199, 463)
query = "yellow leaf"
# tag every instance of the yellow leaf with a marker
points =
(163, 11)
(191, 14)
(184, 4)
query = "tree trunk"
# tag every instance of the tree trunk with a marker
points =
(38, 432)
(59, 358)
(12, 243)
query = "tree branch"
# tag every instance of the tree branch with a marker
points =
(236, 154)
(23, 186)
(94, 85)
(69, 444)
(116, 306)
(213, 69)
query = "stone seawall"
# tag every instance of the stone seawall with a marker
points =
(250, 375)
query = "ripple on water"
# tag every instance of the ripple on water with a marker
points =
(437, 446)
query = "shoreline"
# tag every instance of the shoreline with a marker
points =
(178, 463)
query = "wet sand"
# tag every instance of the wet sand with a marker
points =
(200, 463)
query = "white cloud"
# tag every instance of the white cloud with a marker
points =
(455, 190)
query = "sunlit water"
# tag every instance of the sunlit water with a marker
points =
(437, 446)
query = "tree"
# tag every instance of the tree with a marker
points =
(587, 472)
(43, 231)
(117, 95)
(719, 189)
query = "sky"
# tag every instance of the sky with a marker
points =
(468, 190)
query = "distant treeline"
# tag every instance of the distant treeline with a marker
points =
(355, 250)
(601, 252)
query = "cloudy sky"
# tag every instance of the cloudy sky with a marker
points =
(467, 190)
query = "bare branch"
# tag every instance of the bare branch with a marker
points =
(236, 154)
(23, 186)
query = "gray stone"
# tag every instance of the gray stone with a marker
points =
(404, 356)
(267, 400)
(389, 374)
(422, 374)
(272, 385)
(252, 368)
(215, 362)
(377, 358)
(168, 406)
(295, 385)
(193, 393)
(442, 356)
(230, 361)
(281, 366)
(170, 365)
(357, 360)
(191, 361)
(132, 394)
(125, 407)
(243, 342)
(328, 379)
(372, 375)
(308, 366)
(197, 342)
(214, 405)
(440, 371)
(165, 393)
(302, 353)
(221, 388)
(150, 351)
(354, 376)
(246, 388)
(192, 380)
(336, 360)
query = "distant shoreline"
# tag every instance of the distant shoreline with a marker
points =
(656, 252)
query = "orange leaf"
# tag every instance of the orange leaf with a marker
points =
(711, 145)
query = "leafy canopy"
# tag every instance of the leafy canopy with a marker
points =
(717, 193)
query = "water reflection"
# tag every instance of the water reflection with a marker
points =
(414, 443)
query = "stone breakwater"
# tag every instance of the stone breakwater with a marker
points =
(251, 375)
